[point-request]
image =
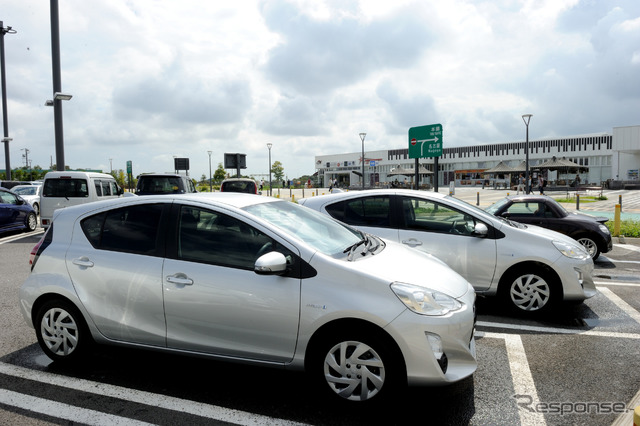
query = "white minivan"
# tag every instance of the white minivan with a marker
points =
(63, 189)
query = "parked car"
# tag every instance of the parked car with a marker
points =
(544, 211)
(30, 193)
(249, 279)
(62, 189)
(531, 269)
(248, 186)
(164, 183)
(16, 214)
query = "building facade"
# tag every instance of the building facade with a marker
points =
(602, 157)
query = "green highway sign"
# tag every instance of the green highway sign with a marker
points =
(425, 141)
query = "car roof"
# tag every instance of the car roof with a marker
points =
(323, 199)
(229, 199)
(529, 197)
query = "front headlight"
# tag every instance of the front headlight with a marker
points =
(574, 251)
(603, 228)
(425, 301)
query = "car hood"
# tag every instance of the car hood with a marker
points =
(398, 263)
(587, 217)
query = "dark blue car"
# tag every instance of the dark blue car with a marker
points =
(16, 214)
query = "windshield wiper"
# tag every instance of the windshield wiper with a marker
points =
(352, 248)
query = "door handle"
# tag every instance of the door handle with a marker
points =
(180, 279)
(412, 242)
(83, 261)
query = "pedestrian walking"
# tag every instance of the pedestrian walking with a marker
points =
(520, 184)
(541, 184)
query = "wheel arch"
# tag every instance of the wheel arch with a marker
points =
(531, 266)
(335, 327)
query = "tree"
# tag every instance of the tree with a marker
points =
(203, 179)
(277, 170)
(219, 174)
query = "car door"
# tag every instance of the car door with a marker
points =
(11, 214)
(215, 302)
(115, 263)
(448, 233)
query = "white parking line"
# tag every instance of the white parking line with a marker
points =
(628, 309)
(627, 247)
(21, 236)
(64, 411)
(141, 397)
(553, 330)
(616, 283)
(523, 383)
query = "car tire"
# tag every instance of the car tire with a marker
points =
(32, 222)
(36, 207)
(62, 332)
(357, 366)
(530, 291)
(590, 246)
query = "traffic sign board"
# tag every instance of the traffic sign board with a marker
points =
(425, 141)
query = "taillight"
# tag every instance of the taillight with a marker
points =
(39, 248)
(34, 252)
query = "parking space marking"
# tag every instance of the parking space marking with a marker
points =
(627, 247)
(141, 397)
(628, 309)
(552, 330)
(614, 283)
(523, 383)
(64, 411)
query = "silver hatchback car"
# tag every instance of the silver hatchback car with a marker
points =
(250, 279)
(531, 269)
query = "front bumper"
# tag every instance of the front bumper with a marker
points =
(416, 333)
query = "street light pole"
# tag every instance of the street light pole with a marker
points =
(3, 83)
(210, 184)
(269, 145)
(526, 118)
(362, 136)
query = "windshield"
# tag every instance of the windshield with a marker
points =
(317, 230)
(25, 190)
(493, 208)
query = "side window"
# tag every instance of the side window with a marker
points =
(114, 188)
(191, 187)
(526, 209)
(210, 237)
(106, 189)
(372, 211)
(98, 185)
(132, 229)
(8, 198)
(429, 216)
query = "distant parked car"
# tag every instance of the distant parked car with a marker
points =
(164, 183)
(250, 279)
(31, 193)
(62, 189)
(530, 270)
(245, 185)
(544, 211)
(16, 214)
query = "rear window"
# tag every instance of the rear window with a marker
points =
(160, 185)
(239, 186)
(69, 188)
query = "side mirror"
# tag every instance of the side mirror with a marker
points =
(481, 230)
(505, 215)
(272, 263)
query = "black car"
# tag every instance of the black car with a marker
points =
(546, 212)
(163, 184)
(16, 214)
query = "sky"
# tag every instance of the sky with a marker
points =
(156, 79)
